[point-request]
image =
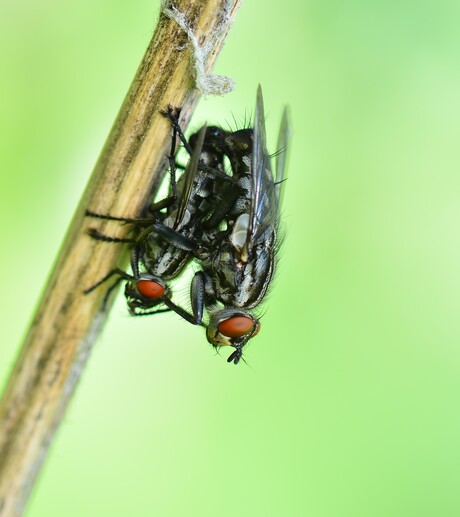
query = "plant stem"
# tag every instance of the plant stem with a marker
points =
(67, 322)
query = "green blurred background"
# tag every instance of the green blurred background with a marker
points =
(349, 406)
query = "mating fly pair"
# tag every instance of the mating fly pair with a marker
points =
(226, 219)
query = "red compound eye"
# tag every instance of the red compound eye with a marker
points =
(237, 326)
(150, 289)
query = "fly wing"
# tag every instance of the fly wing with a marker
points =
(189, 177)
(263, 211)
(282, 156)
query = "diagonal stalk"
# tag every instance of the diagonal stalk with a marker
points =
(67, 323)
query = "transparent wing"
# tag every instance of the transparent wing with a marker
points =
(189, 176)
(282, 156)
(263, 212)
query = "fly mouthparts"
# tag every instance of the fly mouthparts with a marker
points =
(234, 357)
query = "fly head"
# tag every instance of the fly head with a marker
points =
(232, 327)
(145, 292)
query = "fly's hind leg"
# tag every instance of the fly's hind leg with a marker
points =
(98, 236)
(154, 208)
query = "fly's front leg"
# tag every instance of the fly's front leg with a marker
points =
(170, 306)
(122, 275)
(197, 295)
(148, 312)
(117, 271)
(201, 295)
(182, 312)
(135, 258)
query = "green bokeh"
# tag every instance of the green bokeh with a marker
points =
(349, 405)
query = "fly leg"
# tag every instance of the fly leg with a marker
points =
(141, 221)
(172, 114)
(197, 249)
(197, 295)
(172, 163)
(117, 271)
(201, 295)
(148, 312)
(175, 238)
(173, 166)
(122, 275)
(98, 236)
(141, 236)
(170, 306)
(140, 225)
(134, 262)
(182, 312)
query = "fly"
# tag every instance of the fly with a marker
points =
(237, 271)
(164, 242)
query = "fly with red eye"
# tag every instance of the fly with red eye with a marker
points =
(165, 240)
(236, 273)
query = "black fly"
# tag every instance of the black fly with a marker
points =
(237, 272)
(164, 241)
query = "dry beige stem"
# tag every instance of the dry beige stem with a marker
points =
(67, 322)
